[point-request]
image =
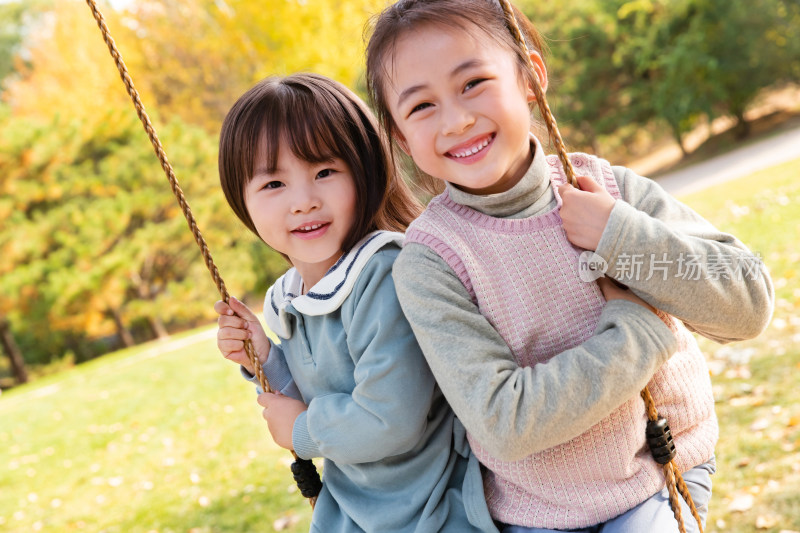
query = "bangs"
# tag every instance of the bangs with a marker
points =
(301, 121)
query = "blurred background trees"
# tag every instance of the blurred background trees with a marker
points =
(619, 65)
(94, 252)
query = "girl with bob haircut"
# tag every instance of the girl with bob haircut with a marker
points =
(542, 364)
(304, 165)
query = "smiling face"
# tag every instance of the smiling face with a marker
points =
(303, 210)
(463, 118)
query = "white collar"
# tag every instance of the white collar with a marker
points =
(330, 292)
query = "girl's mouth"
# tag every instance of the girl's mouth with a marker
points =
(473, 150)
(311, 230)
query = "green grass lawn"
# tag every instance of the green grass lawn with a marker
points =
(170, 439)
(756, 384)
(143, 440)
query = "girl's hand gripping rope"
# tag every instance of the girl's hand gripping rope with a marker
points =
(280, 412)
(236, 324)
(585, 212)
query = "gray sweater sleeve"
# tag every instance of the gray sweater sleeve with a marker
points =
(678, 262)
(532, 408)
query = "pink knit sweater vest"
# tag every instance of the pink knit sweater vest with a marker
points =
(523, 275)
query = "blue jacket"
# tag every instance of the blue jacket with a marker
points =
(395, 457)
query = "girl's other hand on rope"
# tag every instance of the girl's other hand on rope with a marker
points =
(613, 291)
(236, 324)
(585, 211)
(280, 412)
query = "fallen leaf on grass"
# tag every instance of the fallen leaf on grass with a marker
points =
(740, 372)
(285, 522)
(766, 522)
(746, 401)
(758, 425)
(741, 503)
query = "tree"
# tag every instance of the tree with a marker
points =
(704, 56)
(198, 56)
(755, 45)
(94, 250)
(11, 350)
(15, 20)
(67, 69)
(617, 65)
(594, 83)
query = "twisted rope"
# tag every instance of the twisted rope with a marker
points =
(674, 480)
(675, 483)
(538, 92)
(187, 213)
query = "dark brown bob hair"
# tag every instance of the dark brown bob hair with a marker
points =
(400, 18)
(318, 119)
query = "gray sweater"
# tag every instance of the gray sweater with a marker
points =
(541, 406)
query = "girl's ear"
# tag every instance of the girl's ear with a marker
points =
(541, 72)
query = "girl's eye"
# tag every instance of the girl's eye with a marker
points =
(419, 107)
(472, 83)
(324, 173)
(272, 185)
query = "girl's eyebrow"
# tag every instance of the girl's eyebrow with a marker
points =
(468, 64)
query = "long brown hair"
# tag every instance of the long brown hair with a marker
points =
(402, 17)
(318, 118)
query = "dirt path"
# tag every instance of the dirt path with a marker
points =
(761, 154)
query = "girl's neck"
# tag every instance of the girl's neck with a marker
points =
(312, 273)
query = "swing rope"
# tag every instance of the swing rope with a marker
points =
(659, 437)
(303, 470)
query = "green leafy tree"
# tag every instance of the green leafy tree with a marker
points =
(93, 242)
(701, 57)
(617, 65)
(755, 45)
(94, 250)
(594, 84)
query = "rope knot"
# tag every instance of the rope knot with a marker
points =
(659, 440)
(307, 478)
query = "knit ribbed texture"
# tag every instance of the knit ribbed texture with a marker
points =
(523, 275)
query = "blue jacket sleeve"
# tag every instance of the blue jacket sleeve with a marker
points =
(277, 373)
(386, 413)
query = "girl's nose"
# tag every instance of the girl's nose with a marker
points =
(456, 119)
(305, 200)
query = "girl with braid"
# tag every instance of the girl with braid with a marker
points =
(515, 333)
